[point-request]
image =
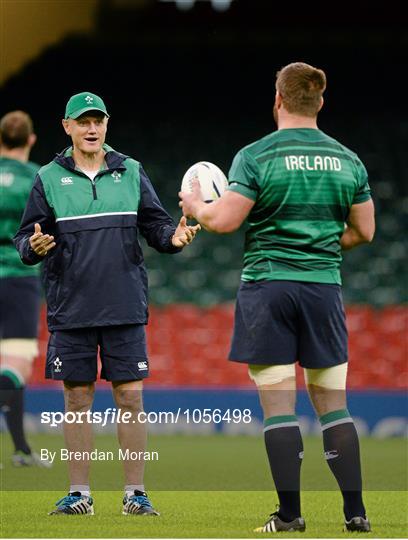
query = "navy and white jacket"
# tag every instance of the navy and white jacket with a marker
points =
(95, 275)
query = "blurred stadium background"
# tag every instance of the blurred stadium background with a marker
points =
(194, 80)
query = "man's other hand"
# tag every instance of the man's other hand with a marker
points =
(41, 243)
(184, 233)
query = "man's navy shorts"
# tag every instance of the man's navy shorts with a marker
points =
(72, 354)
(283, 322)
(20, 301)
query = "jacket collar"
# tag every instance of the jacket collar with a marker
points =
(114, 160)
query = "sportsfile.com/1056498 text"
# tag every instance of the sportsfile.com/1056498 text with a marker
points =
(117, 416)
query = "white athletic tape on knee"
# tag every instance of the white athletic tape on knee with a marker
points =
(262, 375)
(332, 378)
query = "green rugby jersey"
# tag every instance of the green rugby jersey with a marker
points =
(303, 183)
(16, 181)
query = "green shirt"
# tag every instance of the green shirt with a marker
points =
(16, 180)
(303, 183)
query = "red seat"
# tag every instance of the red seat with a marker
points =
(189, 345)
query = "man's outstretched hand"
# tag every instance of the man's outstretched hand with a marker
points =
(41, 243)
(184, 233)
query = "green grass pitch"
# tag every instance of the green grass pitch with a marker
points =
(205, 487)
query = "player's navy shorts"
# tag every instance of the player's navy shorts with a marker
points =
(72, 354)
(20, 301)
(282, 322)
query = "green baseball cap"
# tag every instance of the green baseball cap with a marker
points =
(82, 103)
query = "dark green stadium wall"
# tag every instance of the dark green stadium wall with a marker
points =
(198, 85)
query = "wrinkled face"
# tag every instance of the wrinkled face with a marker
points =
(87, 132)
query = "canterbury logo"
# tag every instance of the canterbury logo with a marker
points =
(66, 180)
(142, 366)
(331, 454)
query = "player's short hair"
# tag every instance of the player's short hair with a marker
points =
(301, 87)
(15, 129)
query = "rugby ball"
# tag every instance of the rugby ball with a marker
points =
(213, 181)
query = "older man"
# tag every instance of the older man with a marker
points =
(83, 217)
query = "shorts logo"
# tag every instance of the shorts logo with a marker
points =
(142, 366)
(89, 99)
(66, 180)
(331, 454)
(57, 363)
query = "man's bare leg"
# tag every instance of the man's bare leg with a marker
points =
(133, 438)
(133, 435)
(78, 436)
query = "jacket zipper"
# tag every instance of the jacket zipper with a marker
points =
(101, 173)
(93, 182)
(93, 189)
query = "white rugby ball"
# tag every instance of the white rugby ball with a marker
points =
(213, 181)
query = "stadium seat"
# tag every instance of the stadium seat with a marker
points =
(189, 345)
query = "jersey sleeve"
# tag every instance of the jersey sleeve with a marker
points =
(363, 192)
(243, 176)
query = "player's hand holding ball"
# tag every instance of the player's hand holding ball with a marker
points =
(203, 182)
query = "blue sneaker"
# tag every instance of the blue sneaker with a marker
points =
(139, 504)
(74, 503)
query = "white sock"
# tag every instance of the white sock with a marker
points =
(130, 489)
(84, 490)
